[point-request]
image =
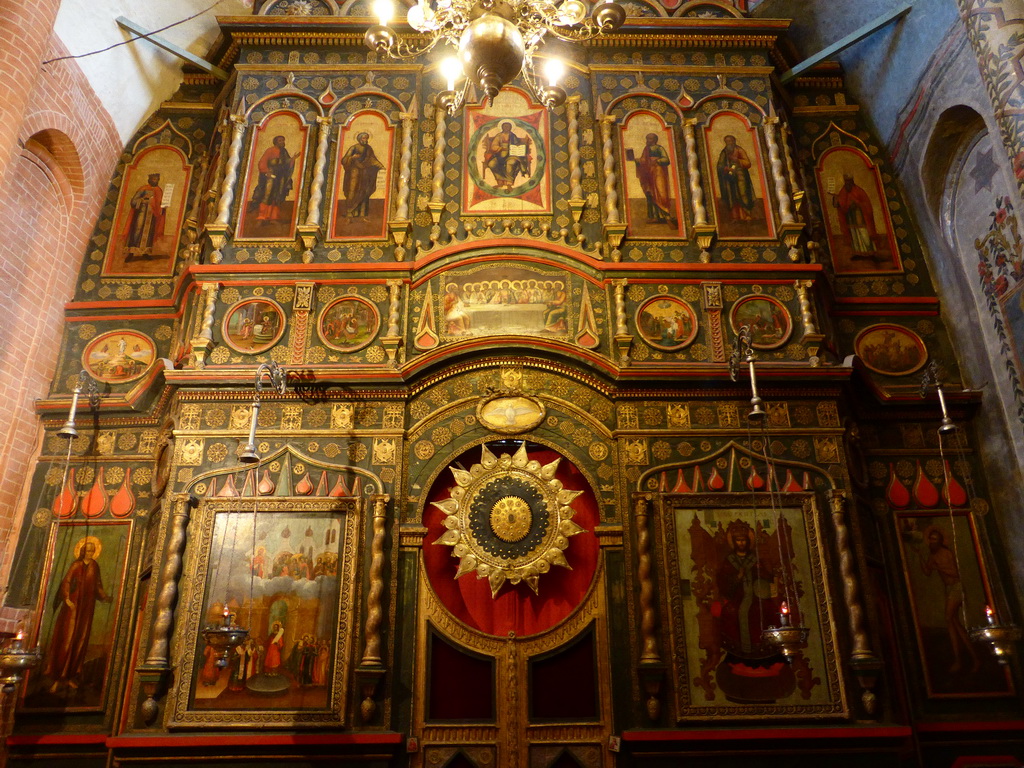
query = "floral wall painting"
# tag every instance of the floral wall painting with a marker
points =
(362, 190)
(860, 235)
(506, 157)
(948, 590)
(78, 616)
(737, 175)
(119, 356)
(150, 210)
(269, 207)
(253, 325)
(891, 350)
(495, 301)
(768, 319)
(731, 570)
(348, 324)
(650, 172)
(666, 322)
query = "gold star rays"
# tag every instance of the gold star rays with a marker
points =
(508, 518)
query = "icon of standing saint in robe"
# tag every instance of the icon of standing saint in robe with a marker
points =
(651, 185)
(362, 188)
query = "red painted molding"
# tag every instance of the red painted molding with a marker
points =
(771, 734)
(255, 740)
(29, 739)
(971, 727)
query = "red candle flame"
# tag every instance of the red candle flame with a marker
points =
(20, 636)
(784, 608)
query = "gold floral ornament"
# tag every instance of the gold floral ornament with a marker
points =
(508, 518)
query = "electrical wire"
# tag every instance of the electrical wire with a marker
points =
(132, 40)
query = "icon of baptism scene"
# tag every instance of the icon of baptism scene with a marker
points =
(281, 585)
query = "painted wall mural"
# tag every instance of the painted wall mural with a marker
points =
(506, 157)
(79, 610)
(651, 178)
(150, 210)
(269, 207)
(860, 235)
(362, 191)
(742, 211)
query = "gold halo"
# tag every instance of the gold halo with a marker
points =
(88, 540)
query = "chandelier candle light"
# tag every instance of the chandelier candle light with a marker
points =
(494, 40)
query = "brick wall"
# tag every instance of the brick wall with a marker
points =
(56, 178)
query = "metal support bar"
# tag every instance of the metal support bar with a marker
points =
(846, 42)
(170, 47)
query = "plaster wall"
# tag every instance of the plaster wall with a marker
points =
(883, 69)
(132, 80)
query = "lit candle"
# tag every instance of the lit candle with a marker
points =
(554, 69)
(384, 10)
(451, 68)
(990, 615)
(20, 636)
(784, 614)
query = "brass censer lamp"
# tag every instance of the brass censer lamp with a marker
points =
(787, 638)
(1001, 637)
(15, 660)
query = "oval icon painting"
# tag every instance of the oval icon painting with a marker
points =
(348, 324)
(118, 356)
(253, 325)
(511, 415)
(767, 318)
(890, 350)
(666, 322)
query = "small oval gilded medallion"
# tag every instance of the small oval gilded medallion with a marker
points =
(510, 415)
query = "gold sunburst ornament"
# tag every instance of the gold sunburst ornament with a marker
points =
(508, 519)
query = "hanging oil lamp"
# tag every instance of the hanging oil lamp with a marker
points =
(787, 638)
(15, 660)
(743, 354)
(225, 638)
(1000, 636)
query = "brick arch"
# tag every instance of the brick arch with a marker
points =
(64, 157)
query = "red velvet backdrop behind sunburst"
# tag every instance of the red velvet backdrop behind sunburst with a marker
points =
(515, 608)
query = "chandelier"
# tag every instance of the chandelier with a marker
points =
(495, 40)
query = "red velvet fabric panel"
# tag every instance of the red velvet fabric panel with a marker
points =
(461, 686)
(516, 608)
(563, 686)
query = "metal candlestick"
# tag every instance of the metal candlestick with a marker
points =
(744, 353)
(279, 381)
(929, 378)
(87, 384)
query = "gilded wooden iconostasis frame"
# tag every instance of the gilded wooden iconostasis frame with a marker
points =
(511, 730)
(183, 709)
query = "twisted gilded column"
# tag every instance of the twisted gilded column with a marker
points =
(436, 204)
(704, 231)
(651, 668)
(576, 198)
(614, 229)
(623, 339)
(863, 662)
(154, 671)
(371, 668)
(309, 230)
(778, 176)
(392, 340)
(203, 342)
(218, 228)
